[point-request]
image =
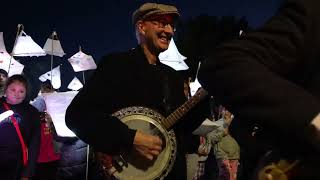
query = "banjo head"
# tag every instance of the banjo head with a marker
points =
(136, 167)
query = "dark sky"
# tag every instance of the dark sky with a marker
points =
(103, 26)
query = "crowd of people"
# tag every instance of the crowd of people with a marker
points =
(262, 107)
(30, 147)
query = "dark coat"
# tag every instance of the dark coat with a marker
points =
(72, 165)
(271, 77)
(123, 80)
(28, 119)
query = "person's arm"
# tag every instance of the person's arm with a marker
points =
(89, 114)
(314, 132)
(34, 147)
(252, 72)
(316, 122)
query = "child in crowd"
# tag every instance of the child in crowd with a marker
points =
(19, 131)
(49, 155)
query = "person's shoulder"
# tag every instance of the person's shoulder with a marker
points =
(168, 68)
(115, 57)
(39, 103)
(31, 108)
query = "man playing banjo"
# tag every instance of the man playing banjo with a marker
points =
(136, 78)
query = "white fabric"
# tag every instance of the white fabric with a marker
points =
(240, 32)
(75, 84)
(173, 58)
(57, 104)
(56, 79)
(176, 65)
(194, 86)
(15, 66)
(206, 127)
(53, 47)
(82, 62)
(25, 46)
(172, 53)
(5, 115)
(2, 46)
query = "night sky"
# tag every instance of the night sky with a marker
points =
(103, 26)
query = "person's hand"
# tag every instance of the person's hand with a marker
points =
(147, 145)
(228, 117)
(24, 178)
(204, 147)
(204, 150)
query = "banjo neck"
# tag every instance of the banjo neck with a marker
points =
(183, 109)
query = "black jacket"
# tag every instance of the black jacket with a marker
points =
(72, 164)
(271, 77)
(28, 119)
(123, 80)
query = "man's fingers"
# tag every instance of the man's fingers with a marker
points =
(157, 141)
(155, 152)
(149, 156)
(156, 147)
(149, 146)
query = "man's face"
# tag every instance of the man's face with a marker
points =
(158, 31)
(3, 79)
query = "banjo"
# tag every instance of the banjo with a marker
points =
(130, 165)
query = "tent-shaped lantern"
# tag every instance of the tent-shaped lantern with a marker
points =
(195, 85)
(75, 84)
(53, 46)
(53, 76)
(173, 58)
(82, 62)
(7, 61)
(25, 46)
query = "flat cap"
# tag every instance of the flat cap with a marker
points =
(150, 9)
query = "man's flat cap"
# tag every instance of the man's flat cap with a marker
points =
(150, 9)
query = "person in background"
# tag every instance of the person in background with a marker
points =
(3, 80)
(226, 150)
(72, 165)
(270, 80)
(60, 158)
(19, 132)
(192, 142)
(49, 154)
(135, 78)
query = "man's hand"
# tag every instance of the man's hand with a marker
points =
(147, 145)
(315, 132)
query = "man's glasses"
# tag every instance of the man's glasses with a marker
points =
(163, 22)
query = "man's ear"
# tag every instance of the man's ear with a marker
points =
(140, 27)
